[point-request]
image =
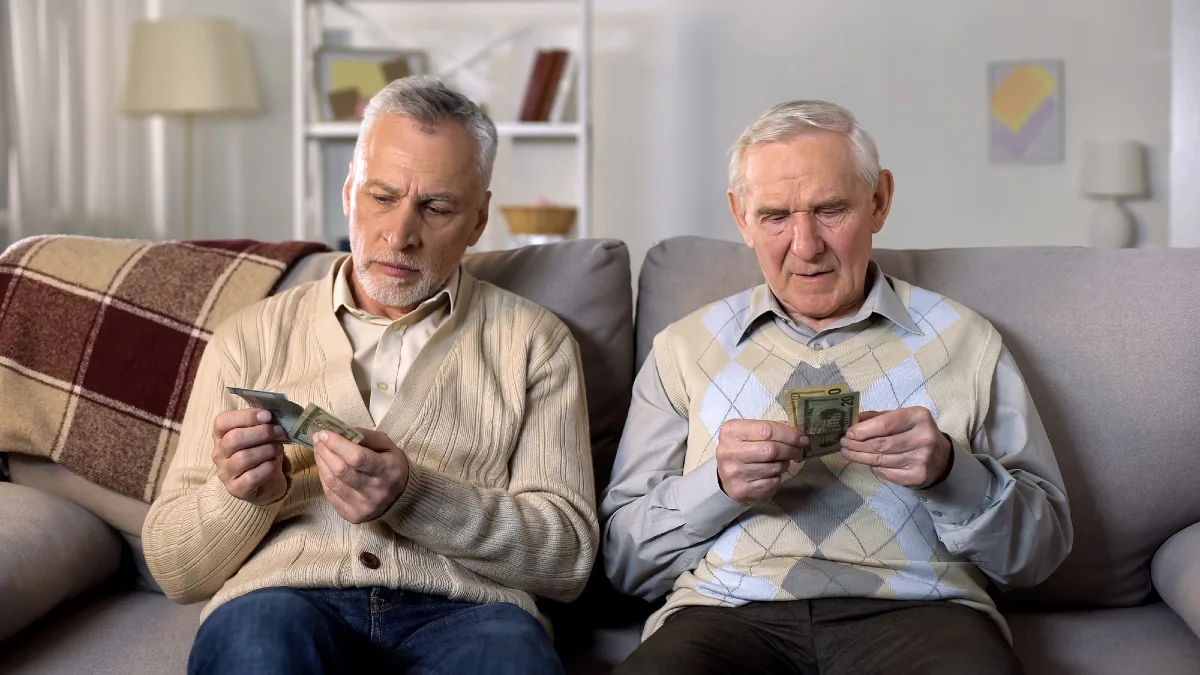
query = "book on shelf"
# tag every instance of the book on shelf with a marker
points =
(544, 82)
(565, 87)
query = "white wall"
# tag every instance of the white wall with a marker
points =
(243, 164)
(677, 80)
(1185, 122)
(915, 74)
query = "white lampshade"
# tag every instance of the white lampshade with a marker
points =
(189, 65)
(1114, 169)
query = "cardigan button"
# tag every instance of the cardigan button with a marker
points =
(369, 560)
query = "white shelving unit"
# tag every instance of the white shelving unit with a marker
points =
(310, 134)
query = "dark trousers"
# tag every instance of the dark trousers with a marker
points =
(370, 630)
(834, 636)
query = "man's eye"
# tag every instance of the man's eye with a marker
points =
(433, 210)
(777, 218)
(383, 199)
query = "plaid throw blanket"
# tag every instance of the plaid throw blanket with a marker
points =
(100, 340)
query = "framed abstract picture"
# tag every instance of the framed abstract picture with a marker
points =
(1026, 115)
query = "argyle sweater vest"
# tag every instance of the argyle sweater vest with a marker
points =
(834, 528)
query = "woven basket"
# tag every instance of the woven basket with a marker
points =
(552, 220)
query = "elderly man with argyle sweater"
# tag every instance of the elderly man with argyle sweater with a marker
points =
(874, 560)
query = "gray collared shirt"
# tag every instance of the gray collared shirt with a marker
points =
(1002, 506)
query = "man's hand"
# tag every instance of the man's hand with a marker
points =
(753, 455)
(361, 481)
(249, 455)
(904, 446)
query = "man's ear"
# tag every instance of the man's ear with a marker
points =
(481, 219)
(739, 217)
(346, 188)
(882, 200)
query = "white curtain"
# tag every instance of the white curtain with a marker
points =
(78, 165)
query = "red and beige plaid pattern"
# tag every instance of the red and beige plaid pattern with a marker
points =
(100, 340)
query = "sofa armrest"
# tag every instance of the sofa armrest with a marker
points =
(50, 550)
(1175, 572)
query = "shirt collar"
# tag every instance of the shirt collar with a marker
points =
(881, 299)
(343, 297)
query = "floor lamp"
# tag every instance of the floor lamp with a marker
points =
(188, 67)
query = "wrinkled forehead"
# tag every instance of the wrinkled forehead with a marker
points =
(396, 147)
(818, 164)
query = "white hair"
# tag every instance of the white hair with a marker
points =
(428, 101)
(788, 120)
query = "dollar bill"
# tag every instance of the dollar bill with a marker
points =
(285, 413)
(299, 423)
(314, 419)
(824, 414)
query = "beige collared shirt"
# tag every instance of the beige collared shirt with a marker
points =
(384, 349)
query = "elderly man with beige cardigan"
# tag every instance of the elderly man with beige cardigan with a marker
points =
(424, 548)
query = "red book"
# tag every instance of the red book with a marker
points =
(535, 90)
(558, 63)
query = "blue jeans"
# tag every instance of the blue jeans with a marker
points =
(377, 630)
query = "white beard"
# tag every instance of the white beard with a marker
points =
(393, 292)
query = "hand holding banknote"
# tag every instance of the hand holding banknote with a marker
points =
(248, 454)
(298, 423)
(904, 446)
(753, 455)
(362, 480)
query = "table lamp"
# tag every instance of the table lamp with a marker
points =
(188, 67)
(1113, 171)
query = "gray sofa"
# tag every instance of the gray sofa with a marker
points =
(1103, 339)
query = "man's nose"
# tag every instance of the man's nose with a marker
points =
(403, 227)
(806, 238)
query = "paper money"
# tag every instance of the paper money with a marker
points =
(315, 419)
(299, 423)
(824, 414)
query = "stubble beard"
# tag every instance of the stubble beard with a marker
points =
(392, 292)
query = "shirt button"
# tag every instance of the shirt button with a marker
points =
(382, 386)
(936, 514)
(369, 560)
(395, 328)
(922, 499)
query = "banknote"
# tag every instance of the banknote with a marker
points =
(299, 423)
(314, 419)
(823, 414)
(285, 413)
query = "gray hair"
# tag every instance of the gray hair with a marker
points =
(427, 100)
(788, 120)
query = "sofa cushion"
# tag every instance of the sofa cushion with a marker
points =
(1149, 639)
(125, 514)
(1103, 339)
(1175, 571)
(126, 632)
(50, 550)
(587, 284)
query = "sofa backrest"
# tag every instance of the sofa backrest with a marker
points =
(1104, 340)
(587, 284)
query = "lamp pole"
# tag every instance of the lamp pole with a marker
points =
(188, 151)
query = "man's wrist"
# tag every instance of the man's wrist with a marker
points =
(949, 455)
(705, 505)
